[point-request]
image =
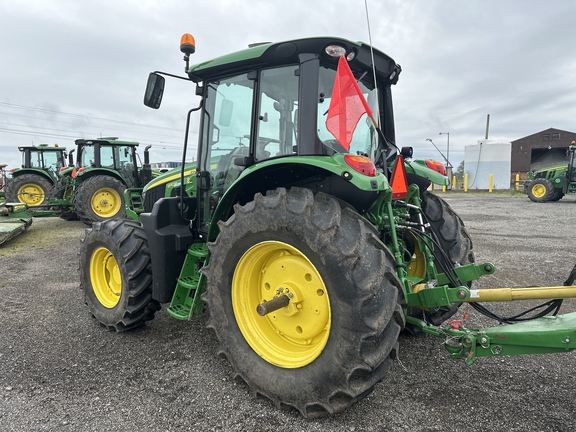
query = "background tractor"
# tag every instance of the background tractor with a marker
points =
(552, 183)
(93, 189)
(311, 240)
(32, 183)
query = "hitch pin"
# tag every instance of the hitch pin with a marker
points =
(272, 305)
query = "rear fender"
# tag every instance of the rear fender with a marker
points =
(419, 168)
(34, 171)
(91, 172)
(327, 174)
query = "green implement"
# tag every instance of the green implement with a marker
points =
(14, 220)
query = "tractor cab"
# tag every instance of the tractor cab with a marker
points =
(264, 122)
(568, 178)
(45, 158)
(108, 155)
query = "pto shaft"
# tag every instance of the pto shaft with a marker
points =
(533, 293)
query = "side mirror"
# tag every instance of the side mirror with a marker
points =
(154, 90)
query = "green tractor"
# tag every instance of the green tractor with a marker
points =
(552, 183)
(310, 247)
(93, 188)
(32, 183)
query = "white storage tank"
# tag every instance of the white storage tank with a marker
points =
(485, 158)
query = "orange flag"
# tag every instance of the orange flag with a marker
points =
(347, 105)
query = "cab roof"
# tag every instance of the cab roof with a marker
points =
(43, 147)
(105, 140)
(275, 54)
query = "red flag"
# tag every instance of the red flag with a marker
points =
(346, 106)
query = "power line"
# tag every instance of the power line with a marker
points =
(165, 141)
(38, 132)
(80, 116)
(76, 124)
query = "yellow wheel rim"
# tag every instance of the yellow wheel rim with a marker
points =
(105, 277)
(538, 190)
(106, 202)
(294, 335)
(31, 194)
(417, 267)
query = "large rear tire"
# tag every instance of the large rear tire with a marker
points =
(116, 274)
(100, 198)
(455, 242)
(334, 341)
(30, 189)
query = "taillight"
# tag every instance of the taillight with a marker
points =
(436, 166)
(361, 164)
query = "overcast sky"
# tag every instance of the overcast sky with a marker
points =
(77, 69)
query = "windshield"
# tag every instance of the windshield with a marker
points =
(365, 138)
(86, 156)
(50, 160)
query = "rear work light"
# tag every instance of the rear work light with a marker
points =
(436, 166)
(361, 164)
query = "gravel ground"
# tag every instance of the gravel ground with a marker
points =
(61, 371)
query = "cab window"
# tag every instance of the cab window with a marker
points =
(278, 106)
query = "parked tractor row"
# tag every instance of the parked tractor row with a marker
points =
(91, 189)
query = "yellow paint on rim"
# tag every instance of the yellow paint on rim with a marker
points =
(106, 202)
(105, 277)
(31, 194)
(538, 190)
(295, 335)
(417, 267)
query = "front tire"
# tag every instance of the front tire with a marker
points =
(116, 274)
(100, 198)
(541, 190)
(30, 189)
(334, 341)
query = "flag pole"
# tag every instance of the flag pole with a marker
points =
(374, 120)
(373, 117)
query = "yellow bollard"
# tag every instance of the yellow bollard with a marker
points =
(490, 182)
(454, 182)
(517, 183)
(443, 188)
(465, 182)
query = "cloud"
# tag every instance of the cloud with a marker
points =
(514, 60)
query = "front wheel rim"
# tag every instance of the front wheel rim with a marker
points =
(295, 335)
(538, 190)
(106, 202)
(105, 277)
